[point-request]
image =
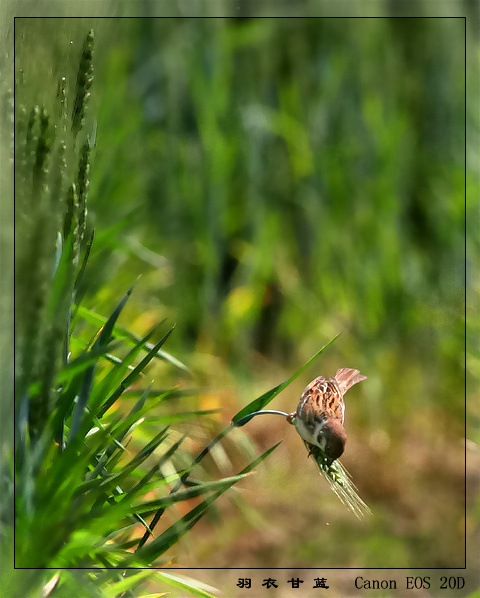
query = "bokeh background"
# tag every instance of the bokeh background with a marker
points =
(276, 182)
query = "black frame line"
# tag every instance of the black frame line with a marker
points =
(294, 568)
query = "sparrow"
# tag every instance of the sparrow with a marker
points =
(321, 412)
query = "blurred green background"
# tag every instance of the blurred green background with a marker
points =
(276, 182)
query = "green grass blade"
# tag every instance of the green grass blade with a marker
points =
(180, 417)
(129, 582)
(193, 587)
(101, 342)
(79, 365)
(81, 271)
(149, 448)
(201, 488)
(61, 280)
(133, 375)
(113, 379)
(79, 409)
(149, 552)
(107, 329)
(167, 394)
(119, 332)
(262, 401)
(106, 483)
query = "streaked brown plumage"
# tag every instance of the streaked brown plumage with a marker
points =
(321, 412)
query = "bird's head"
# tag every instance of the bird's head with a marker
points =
(332, 439)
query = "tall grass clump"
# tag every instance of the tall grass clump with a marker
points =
(82, 499)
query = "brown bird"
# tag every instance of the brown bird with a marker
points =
(321, 412)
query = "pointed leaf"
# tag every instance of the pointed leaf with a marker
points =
(133, 375)
(193, 587)
(262, 401)
(101, 342)
(122, 366)
(116, 589)
(119, 332)
(149, 552)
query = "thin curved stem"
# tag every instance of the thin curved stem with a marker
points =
(248, 417)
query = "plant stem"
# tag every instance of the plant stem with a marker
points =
(248, 417)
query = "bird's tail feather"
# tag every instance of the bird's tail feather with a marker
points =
(347, 377)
